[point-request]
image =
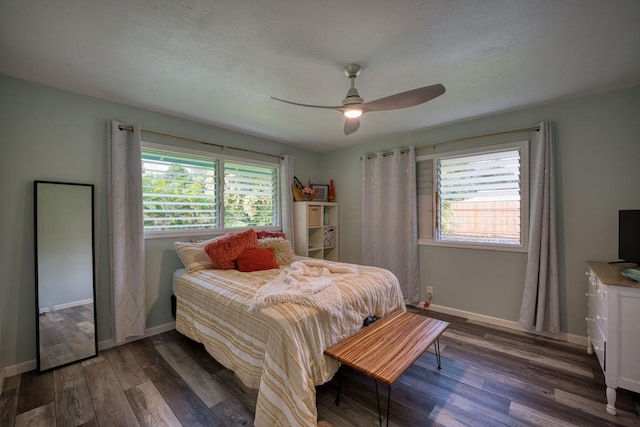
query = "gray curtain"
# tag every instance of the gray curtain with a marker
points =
(540, 308)
(286, 197)
(389, 217)
(126, 232)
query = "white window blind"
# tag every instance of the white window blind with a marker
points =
(476, 197)
(179, 192)
(424, 176)
(479, 198)
(250, 195)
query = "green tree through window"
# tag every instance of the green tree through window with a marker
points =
(183, 192)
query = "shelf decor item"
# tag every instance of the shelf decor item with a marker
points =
(329, 237)
(332, 192)
(308, 193)
(321, 193)
(298, 190)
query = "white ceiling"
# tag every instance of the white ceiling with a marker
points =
(219, 62)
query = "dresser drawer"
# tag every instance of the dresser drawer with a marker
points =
(598, 310)
(599, 344)
(597, 303)
(597, 317)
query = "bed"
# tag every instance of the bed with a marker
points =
(278, 348)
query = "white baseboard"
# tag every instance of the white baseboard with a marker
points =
(509, 324)
(20, 368)
(110, 343)
(30, 365)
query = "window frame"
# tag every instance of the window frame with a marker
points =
(221, 158)
(523, 147)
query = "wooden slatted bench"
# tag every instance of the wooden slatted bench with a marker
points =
(385, 349)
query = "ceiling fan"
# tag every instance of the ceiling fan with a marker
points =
(353, 106)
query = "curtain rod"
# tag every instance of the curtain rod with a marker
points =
(468, 138)
(506, 132)
(222, 147)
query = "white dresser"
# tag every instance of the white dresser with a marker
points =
(613, 327)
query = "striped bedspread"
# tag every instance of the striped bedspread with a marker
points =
(278, 350)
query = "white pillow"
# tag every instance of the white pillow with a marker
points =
(192, 254)
(281, 248)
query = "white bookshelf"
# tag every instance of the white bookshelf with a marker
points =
(316, 229)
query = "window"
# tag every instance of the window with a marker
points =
(249, 195)
(474, 198)
(189, 193)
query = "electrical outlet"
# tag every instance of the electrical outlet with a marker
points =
(429, 291)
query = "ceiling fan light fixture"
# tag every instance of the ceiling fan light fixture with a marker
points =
(353, 106)
(352, 113)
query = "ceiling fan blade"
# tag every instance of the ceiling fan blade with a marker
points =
(406, 99)
(351, 125)
(337, 107)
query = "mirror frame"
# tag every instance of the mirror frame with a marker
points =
(37, 279)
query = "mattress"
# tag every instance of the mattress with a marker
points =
(278, 350)
(176, 276)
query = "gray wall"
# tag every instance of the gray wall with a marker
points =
(53, 135)
(597, 156)
(48, 134)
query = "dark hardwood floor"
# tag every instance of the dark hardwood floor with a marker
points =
(489, 377)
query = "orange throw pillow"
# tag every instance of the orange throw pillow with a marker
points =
(223, 252)
(257, 259)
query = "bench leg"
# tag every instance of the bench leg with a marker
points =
(378, 400)
(437, 349)
(339, 374)
(388, 404)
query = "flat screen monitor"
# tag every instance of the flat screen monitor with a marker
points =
(629, 236)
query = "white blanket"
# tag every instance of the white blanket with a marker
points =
(307, 282)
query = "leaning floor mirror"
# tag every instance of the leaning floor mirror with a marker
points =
(65, 274)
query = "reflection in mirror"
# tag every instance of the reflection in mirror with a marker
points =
(65, 278)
